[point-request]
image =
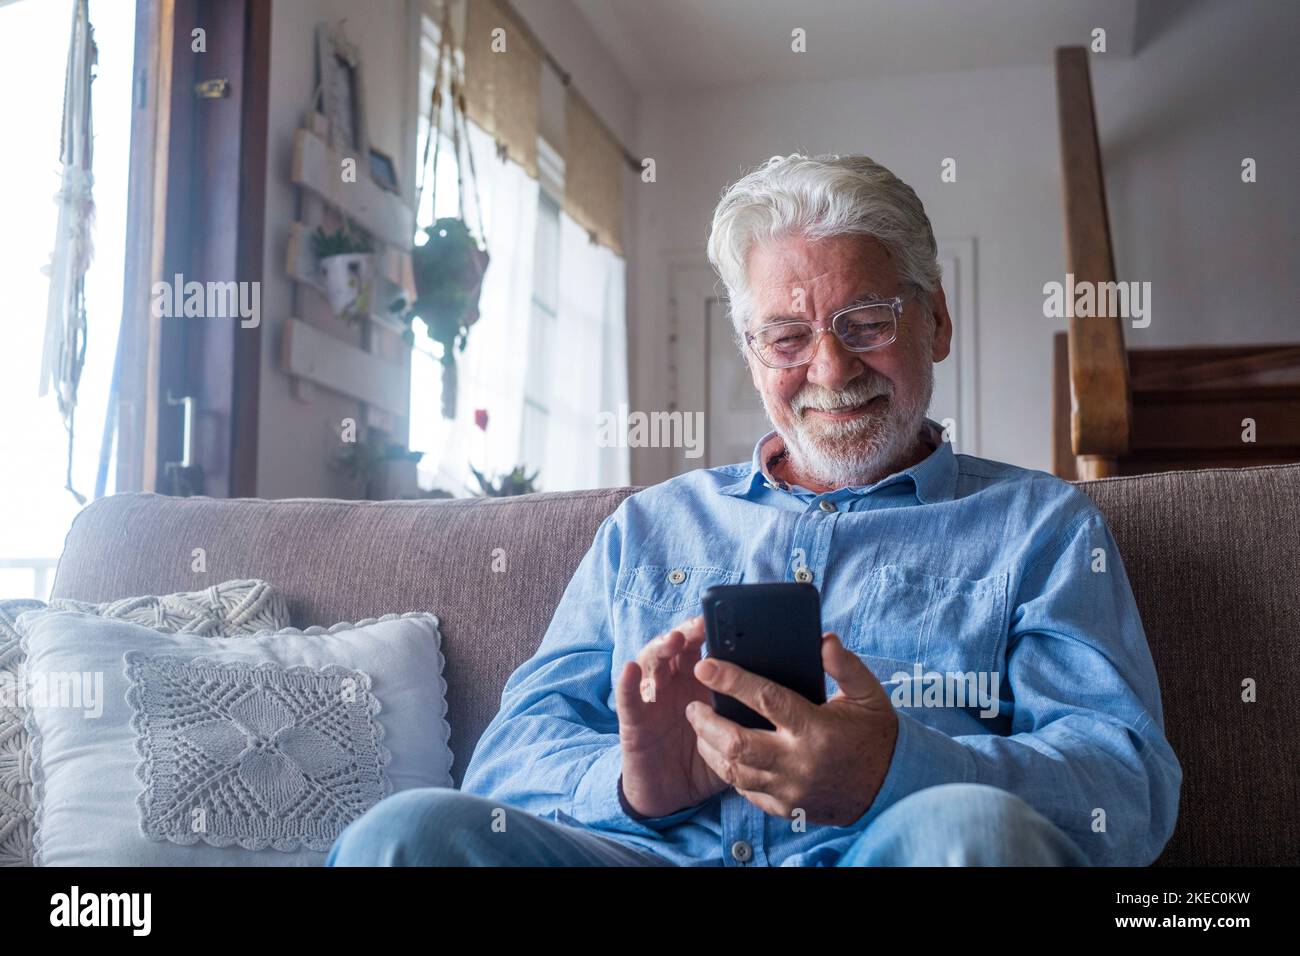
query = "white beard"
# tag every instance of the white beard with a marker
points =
(862, 450)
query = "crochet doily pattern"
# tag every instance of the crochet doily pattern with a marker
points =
(257, 756)
(228, 609)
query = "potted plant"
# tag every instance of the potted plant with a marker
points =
(345, 264)
(388, 469)
(517, 482)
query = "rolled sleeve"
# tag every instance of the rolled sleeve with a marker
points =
(599, 802)
(923, 757)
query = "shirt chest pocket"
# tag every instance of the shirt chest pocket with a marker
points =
(906, 617)
(670, 589)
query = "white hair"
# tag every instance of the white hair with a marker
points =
(819, 197)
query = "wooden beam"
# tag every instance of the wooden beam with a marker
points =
(1092, 467)
(1100, 416)
(245, 436)
(334, 364)
(226, 165)
(1242, 366)
(138, 348)
(174, 238)
(319, 168)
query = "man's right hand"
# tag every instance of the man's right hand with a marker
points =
(663, 771)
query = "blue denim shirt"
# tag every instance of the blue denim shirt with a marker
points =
(956, 565)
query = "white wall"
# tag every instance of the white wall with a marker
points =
(297, 440)
(1222, 82)
(1217, 83)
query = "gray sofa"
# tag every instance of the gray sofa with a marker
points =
(1214, 557)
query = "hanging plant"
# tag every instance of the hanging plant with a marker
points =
(449, 266)
(449, 271)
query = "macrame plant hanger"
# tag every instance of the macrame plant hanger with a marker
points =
(456, 75)
(65, 325)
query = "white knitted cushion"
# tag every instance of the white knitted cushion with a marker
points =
(156, 749)
(229, 609)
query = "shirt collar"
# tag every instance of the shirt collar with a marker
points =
(934, 478)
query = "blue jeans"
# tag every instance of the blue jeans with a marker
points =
(957, 824)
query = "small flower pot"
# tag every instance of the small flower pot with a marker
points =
(349, 281)
(394, 478)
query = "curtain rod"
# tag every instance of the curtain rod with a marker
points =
(633, 161)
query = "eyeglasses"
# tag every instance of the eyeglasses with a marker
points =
(859, 328)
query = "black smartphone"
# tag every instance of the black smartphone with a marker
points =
(773, 630)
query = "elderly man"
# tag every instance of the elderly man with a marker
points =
(606, 749)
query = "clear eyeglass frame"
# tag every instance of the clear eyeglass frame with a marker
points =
(834, 327)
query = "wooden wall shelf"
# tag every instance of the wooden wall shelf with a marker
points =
(331, 363)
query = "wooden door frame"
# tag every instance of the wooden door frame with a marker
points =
(196, 202)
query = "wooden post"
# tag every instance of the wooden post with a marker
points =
(1063, 460)
(1100, 414)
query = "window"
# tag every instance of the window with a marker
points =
(491, 372)
(35, 508)
(548, 353)
(544, 331)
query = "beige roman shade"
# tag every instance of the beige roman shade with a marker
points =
(593, 173)
(501, 84)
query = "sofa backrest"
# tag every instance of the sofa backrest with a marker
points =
(1214, 559)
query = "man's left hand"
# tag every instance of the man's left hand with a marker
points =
(828, 760)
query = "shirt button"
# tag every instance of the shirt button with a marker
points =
(827, 505)
(769, 486)
(676, 576)
(741, 851)
(803, 575)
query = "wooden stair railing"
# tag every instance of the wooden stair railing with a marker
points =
(1100, 415)
(1196, 407)
(1128, 411)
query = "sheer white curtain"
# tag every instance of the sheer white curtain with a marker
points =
(590, 366)
(491, 369)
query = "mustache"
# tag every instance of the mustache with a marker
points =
(860, 390)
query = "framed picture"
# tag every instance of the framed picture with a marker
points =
(342, 93)
(383, 171)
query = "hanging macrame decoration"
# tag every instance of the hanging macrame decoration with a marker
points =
(65, 317)
(449, 267)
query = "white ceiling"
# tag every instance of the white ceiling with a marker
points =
(677, 45)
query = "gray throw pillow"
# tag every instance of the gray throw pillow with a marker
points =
(229, 609)
(153, 749)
